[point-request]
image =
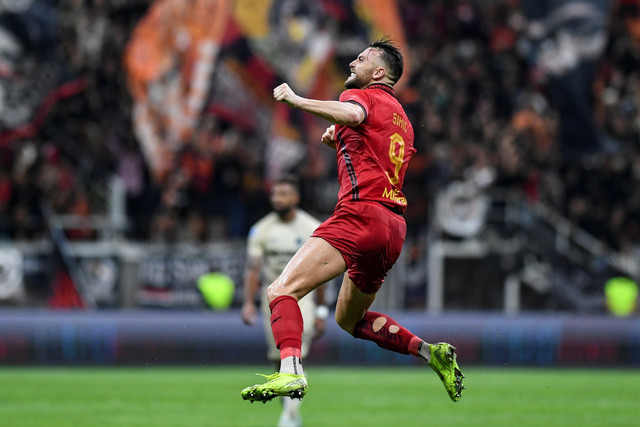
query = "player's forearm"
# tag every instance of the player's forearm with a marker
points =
(341, 113)
(251, 286)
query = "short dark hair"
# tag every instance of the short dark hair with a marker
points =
(391, 55)
(290, 179)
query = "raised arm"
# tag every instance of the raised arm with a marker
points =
(341, 113)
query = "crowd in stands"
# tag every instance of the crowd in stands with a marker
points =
(480, 105)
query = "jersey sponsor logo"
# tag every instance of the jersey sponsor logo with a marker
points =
(274, 253)
(276, 261)
(394, 195)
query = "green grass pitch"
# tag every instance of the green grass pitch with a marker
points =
(338, 396)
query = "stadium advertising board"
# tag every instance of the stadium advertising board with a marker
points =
(169, 278)
(201, 337)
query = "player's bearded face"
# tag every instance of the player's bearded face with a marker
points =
(355, 81)
(283, 199)
(362, 69)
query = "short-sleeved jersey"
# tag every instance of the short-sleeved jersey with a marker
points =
(373, 157)
(276, 241)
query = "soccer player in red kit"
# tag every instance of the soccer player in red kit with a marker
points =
(373, 140)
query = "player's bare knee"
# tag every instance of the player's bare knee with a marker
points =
(271, 294)
(276, 290)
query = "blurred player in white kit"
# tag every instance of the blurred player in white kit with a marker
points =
(272, 242)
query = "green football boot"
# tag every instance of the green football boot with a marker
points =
(278, 384)
(443, 361)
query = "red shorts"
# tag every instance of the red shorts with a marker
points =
(369, 236)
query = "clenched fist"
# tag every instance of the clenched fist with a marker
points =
(284, 93)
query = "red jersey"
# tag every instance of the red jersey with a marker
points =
(373, 157)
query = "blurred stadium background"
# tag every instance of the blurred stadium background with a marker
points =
(138, 141)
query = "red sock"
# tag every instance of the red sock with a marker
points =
(286, 325)
(386, 332)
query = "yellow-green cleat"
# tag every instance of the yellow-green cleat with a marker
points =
(443, 362)
(278, 384)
